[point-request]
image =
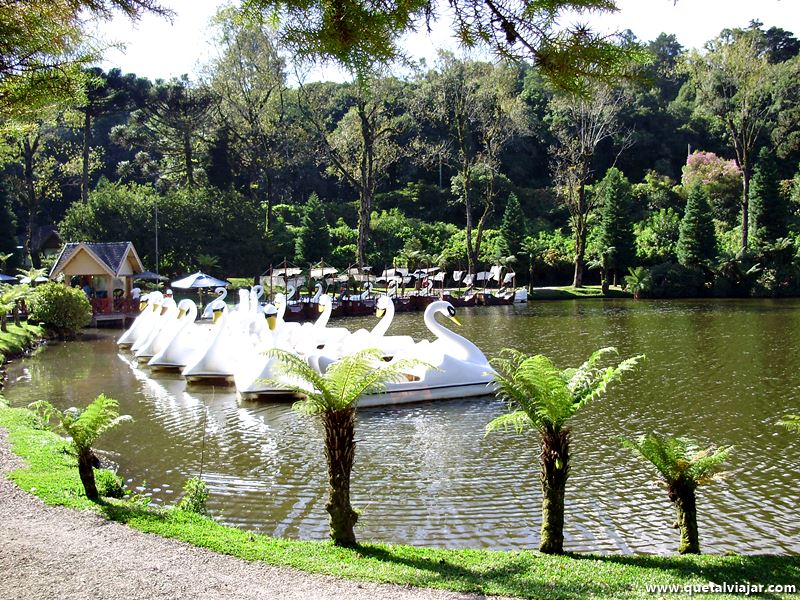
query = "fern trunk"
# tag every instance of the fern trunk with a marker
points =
(683, 495)
(3, 326)
(554, 460)
(86, 471)
(340, 448)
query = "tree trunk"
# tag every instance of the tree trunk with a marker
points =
(29, 149)
(340, 447)
(3, 324)
(686, 509)
(580, 218)
(86, 471)
(554, 459)
(189, 158)
(15, 312)
(745, 204)
(87, 139)
(364, 213)
(580, 264)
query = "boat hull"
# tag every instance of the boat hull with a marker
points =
(425, 393)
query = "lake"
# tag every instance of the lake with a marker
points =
(720, 372)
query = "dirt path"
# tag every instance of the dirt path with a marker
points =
(51, 552)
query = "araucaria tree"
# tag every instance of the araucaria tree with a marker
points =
(580, 123)
(512, 228)
(84, 427)
(333, 396)
(683, 467)
(697, 245)
(542, 398)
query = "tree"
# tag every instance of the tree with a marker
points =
(314, 237)
(616, 223)
(174, 122)
(333, 396)
(35, 178)
(364, 142)
(580, 124)
(543, 398)
(697, 245)
(513, 226)
(721, 179)
(84, 427)
(657, 237)
(249, 81)
(733, 80)
(43, 51)
(105, 94)
(478, 107)
(358, 33)
(769, 214)
(683, 467)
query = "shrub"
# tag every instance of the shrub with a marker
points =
(61, 309)
(195, 495)
(109, 484)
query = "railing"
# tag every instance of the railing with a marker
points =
(105, 306)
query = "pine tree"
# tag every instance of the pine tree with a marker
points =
(616, 222)
(512, 229)
(697, 244)
(769, 213)
(314, 240)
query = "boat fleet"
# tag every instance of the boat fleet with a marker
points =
(229, 345)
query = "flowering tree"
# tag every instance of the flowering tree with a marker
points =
(721, 179)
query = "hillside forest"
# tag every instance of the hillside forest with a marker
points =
(683, 177)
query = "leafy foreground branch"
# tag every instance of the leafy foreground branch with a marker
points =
(52, 476)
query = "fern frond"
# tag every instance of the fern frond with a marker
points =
(518, 421)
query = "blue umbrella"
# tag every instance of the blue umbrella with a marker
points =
(199, 280)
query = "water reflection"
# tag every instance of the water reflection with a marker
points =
(426, 474)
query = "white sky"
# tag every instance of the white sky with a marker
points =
(155, 48)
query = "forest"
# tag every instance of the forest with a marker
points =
(679, 179)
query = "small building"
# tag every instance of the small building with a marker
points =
(103, 269)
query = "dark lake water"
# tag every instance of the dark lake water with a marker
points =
(721, 372)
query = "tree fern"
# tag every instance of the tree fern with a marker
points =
(683, 466)
(84, 427)
(791, 422)
(542, 397)
(334, 396)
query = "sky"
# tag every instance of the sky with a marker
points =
(155, 48)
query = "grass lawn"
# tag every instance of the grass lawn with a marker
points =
(568, 292)
(52, 475)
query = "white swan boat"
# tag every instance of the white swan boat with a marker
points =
(460, 368)
(143, 323)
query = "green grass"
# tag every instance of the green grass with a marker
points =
(568, 292)
(18, 339)
(52, 475)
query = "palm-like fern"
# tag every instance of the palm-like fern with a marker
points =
(638, 280)
(791, 422)
(334, 396)
(84, 427)
(542, 397)
(683, 467)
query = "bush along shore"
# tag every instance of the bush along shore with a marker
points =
(16, 342)
(52, 475)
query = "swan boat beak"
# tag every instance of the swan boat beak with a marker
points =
(142, 305)
(181, 312)
(454, 320)
(217, 315)
(271, 321)
(380, 312)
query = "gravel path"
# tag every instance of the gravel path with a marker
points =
(51, 552)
